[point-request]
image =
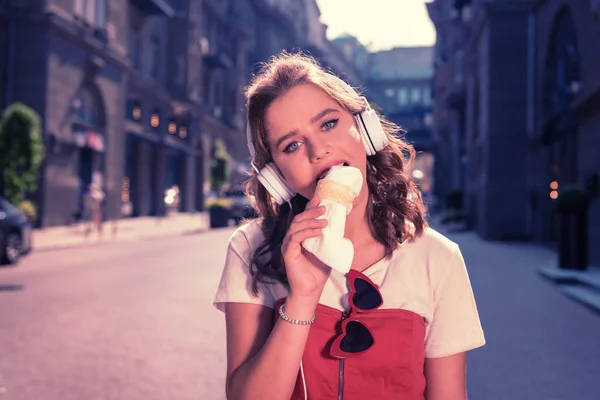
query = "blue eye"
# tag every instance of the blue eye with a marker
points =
(330, 124)
(291, 147)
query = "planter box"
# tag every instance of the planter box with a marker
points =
(219, 217)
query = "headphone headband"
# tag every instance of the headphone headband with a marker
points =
(249, 139)
(372, 135)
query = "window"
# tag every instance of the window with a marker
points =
(402, 96)
(135, 46)
(87, 109)
(180, 74)
(390, 92)
(154, 56)
(427, 96)
(92, 11)
(206, 87)
(458, 66)
(415, 95)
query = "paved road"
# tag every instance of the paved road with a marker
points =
(133, 321)
(126, 321)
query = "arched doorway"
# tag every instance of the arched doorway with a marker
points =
(559, 129)
(88, 127)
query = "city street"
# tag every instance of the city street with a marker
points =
(134, 320)
(124, 321)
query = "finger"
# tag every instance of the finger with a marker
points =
(309, 214)
(306, 224)
(293, 245)
(313, 202)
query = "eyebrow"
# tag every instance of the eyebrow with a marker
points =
(312, 121)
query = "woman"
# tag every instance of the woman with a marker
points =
(295, 327)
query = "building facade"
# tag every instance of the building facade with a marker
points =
(525, 110)
(162, 107)
(134, 95)
(448, 127)
(73, 74)
(564, 113)
(399, 82)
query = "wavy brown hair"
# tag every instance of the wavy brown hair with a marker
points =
(395, 209)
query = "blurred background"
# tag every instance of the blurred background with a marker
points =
(123, 157)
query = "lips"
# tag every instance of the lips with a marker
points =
(326, 169)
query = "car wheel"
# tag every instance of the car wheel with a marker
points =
(11, 248)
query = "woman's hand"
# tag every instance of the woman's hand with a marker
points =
(306, 274)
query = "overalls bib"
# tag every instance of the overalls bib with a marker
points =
(391, 369)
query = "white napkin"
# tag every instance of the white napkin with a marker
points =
(331, 247)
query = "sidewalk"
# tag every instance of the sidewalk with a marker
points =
(541, 345)
(176, 224)
(582, 286)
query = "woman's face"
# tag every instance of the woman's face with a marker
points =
(308, 132)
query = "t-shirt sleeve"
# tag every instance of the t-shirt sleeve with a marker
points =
(455, 325)
(235, 285)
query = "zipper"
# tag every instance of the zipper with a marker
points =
(341, 371)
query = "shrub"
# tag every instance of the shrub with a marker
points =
(218, 202)
(22, 152)
(29, 209)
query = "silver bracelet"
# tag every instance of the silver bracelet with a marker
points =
(295, 321)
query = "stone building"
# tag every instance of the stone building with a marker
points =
(525, 110)
(67, 59)
(564, 113)
(134, 94)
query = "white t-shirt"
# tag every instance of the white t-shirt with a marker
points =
(427, 276)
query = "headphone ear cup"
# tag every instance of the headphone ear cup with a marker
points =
(275, 183)
(372, 133)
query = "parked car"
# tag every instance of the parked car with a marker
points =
(240, 207)
(15, 233)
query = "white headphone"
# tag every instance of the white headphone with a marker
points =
(371, 132)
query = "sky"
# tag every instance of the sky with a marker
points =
(380, 25)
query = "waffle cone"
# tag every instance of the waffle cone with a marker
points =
(331, 190)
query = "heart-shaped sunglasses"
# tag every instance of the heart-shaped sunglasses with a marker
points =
(356, 337)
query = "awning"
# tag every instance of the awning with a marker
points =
(218, 60)
(155, 7)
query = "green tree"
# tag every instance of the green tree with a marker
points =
(220, 174)
(21, 152)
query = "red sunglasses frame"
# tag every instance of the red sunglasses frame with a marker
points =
(336, 348)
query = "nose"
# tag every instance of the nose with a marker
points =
(319, 149)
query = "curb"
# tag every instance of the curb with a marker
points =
(98, 243)
(581, 286)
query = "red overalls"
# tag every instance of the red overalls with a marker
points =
(391, 369)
